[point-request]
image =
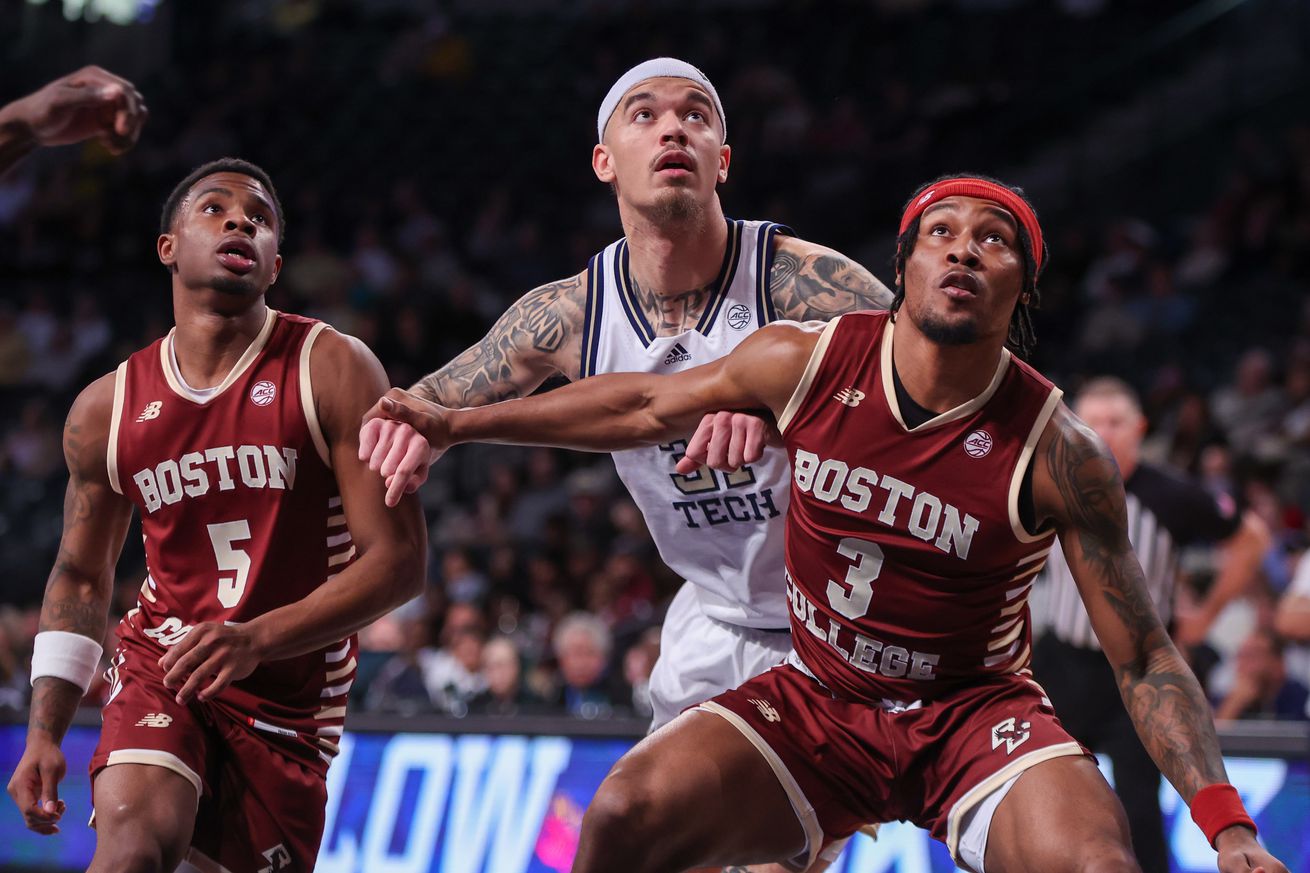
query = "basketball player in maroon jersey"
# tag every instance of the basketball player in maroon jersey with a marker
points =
(932, 472)
(267, 543)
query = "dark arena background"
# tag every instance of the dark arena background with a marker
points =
(433, 160)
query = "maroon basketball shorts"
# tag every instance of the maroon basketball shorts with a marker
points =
(258, 809)
(845, 764)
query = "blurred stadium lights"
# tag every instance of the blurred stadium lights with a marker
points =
(113, 11)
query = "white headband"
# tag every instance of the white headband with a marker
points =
(655, 68)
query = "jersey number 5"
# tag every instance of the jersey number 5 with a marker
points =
(853, 600)
(233, 564)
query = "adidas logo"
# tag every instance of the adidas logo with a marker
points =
(677, 354)
(155, 720)
(849, 396)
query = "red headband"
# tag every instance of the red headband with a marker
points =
(967, 186)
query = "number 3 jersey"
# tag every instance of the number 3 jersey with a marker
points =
(908, 566)
(722, 532)
(240, 514)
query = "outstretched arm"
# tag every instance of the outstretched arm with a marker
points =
(76, 597)
(89, 103)
(538, 337)
(622, 410)
(391, 547)
(809, 282)
(1077, 485)
(535, 339)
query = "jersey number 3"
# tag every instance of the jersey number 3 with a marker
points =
(853, 599)
(233, 564)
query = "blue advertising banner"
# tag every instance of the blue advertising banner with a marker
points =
(477, 803)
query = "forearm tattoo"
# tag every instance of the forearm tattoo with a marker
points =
(1162, 696)
(822, 285)
(516, 355)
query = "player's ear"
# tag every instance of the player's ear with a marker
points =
(277, 269)
(165, 247)
(602, 164)
(725, 158)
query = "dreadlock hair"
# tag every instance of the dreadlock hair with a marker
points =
(222, 165)
(1023, 337)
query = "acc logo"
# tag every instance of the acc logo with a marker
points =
(766, 709)
(151, 411)
(739, 316)
(1012, 735)
(978, 443)
(263, 393)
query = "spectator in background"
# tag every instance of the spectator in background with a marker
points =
(1261, 688)
(453, 673)
(399, 686)
(1252, 404)
(582, 645)
(638, 663)
(502, 671)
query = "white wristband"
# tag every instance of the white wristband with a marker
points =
(68, 656)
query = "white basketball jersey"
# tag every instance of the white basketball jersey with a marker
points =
(722, 532)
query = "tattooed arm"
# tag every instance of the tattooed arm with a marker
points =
(76, 596)
(1077, 486)
(809, 282)
(536, 338)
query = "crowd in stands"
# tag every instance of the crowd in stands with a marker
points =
(545, 593)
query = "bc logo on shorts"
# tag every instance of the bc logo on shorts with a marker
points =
(1011, 735)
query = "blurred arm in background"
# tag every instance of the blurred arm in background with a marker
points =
(88, 103)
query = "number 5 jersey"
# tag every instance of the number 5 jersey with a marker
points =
(240, 515)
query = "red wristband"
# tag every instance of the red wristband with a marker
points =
(1216, 807)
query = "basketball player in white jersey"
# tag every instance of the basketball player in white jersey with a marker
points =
(683, 287)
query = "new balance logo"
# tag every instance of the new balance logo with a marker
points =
(155, 720)
(1011, 735)
(151, 411)
(849, 396)
(766, 710)
(677, 354)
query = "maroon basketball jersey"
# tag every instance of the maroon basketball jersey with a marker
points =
(908, 566)
(241, 515)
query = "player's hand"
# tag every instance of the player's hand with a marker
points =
(91, 103)
(398, 452)
(1240, 852)
(427, 419)
(209, 658)
(35, 784)
(727, 440)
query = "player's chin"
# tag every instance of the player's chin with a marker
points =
(233, 285)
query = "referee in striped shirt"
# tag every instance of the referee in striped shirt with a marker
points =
(1165, 512)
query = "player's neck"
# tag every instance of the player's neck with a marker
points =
(672, 259)
(941, 377)
(208, 343)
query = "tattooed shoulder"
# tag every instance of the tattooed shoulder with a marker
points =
(86, 430)
(537, 337)
(809, 282)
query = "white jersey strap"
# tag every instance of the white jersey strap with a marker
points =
(765, 249)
